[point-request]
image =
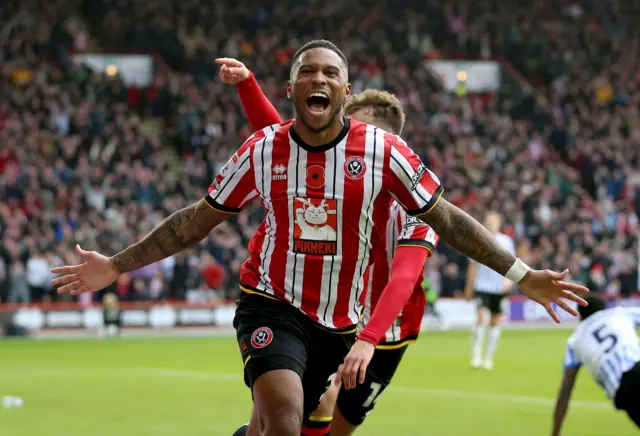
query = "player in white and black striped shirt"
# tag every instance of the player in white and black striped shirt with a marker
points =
(489, 288)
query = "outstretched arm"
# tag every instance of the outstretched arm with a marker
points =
(468, 236)
(180, 230)
(229, 193)
(259, 110)
(564, 395)
(472, 239)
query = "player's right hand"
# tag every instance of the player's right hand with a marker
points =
(96, 273)
(232, 71)
(354, 368)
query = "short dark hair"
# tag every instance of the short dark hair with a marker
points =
(596, 304)
(319, 43)
(385, 106)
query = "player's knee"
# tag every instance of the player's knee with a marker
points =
(279, 398)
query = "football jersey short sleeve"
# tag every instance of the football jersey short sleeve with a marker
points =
(570, 358)
(235, 185)
(414, 186)
(415, 232)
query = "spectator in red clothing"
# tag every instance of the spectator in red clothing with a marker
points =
(213, 274)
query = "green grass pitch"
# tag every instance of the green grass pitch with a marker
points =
(193, 387)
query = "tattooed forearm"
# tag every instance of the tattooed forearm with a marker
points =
(468, 236)
(179, 231)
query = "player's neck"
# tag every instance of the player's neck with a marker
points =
(316, 139)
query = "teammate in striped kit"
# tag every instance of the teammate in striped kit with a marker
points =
(297, 316)
(489, 288)
(416, 240)
(606, 343)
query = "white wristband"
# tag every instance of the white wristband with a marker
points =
(518, 270)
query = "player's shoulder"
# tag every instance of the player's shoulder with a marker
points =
(268, 132)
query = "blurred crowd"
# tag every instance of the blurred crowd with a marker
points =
(84, 159)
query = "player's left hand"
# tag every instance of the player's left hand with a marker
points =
(354, 368)
(547, 287)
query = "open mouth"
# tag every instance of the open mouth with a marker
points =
(318, 102)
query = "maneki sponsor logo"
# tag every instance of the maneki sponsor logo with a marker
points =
(315, 226)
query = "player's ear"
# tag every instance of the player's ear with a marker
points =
(289, 89)
(347, 91)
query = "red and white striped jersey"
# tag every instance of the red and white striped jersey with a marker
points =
(401, 229)
(322, 204)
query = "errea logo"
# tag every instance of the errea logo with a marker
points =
(279, 172)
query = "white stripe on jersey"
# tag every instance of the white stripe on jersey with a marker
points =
(332, 263)
(607, 345)
(487, 280)
(298, 186)
(263, 176)
(372, 186)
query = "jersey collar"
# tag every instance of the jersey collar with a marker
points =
(324, 147)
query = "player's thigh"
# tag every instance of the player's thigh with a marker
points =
(355, 404)
(270, 337)
(274, 353)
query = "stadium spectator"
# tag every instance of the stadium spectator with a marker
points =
(76, 147)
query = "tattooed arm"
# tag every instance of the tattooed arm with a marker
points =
(179, 231)
(468, 236)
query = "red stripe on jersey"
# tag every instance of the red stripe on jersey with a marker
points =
(280, 205)
(312, 280)
(352, 208)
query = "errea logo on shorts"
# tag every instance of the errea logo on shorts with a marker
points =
(261, 337)
(279, 172)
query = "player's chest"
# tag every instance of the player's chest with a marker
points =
(337, 174)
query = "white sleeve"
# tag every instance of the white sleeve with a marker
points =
(570, 359)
